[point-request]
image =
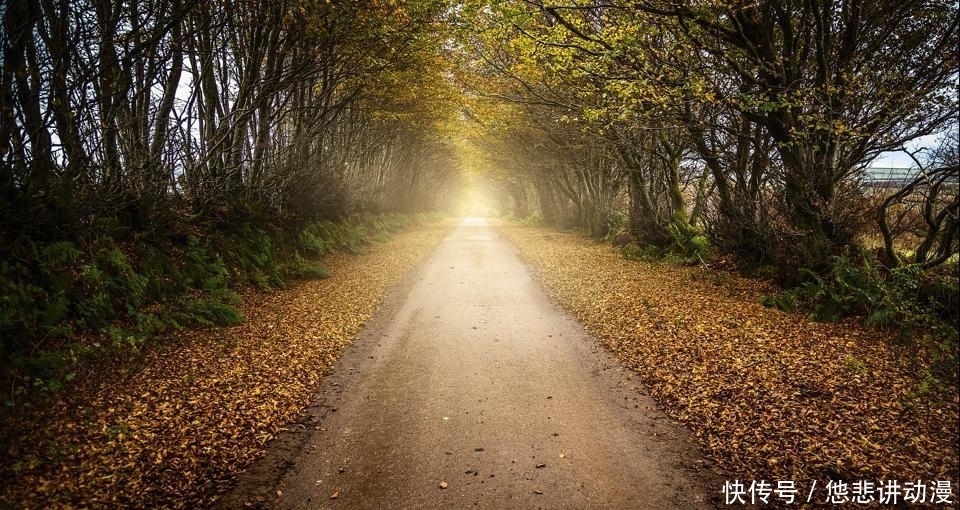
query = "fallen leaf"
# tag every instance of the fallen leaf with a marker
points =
(750, 381)
(207, 402)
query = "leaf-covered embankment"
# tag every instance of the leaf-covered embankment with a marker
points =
(202, 407)
(770, 395)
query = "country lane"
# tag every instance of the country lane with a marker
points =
(471, 389)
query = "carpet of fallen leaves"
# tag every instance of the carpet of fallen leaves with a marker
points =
(201, 408)
(769, 395)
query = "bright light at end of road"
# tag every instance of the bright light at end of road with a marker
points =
(474, 202)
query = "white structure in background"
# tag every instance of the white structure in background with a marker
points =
(889, 176)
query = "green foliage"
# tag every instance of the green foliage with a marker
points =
(58, 254)
(304, 269)
(122, 296)
(531, 220)
(218, 310)
(534, 220)
(849, 289)
(204, 268)
(689, 246)
(690, 242)
(854, 366)
(311, 244)
(125, 339)
(648, 253)
(786, 301)
(248, 251)
(340, 236)
(63, 289)
(616, 224)
(351, 234)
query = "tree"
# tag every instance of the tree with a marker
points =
(833, 83)
(134, 109)
(928, 207)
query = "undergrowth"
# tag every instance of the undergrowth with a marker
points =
(688, 246)
(67, 303)
(922, 307)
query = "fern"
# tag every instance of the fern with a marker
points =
(212, 312)
(311, 244)
(308, 270)
(59, 253)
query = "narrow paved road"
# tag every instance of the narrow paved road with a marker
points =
(470, 376)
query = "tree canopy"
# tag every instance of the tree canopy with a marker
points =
(749, 121)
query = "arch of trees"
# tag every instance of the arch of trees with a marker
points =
(157, 154)
(749, 121)
(277, 108)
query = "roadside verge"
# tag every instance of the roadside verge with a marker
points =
(203, 406)
(769, 395)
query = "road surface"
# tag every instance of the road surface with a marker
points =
(470, 389)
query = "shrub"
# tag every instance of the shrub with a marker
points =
(213, 311)
(127, 291)
(690, 242)
(849, 289)
(311, 244)
(648, 253)
(307, 269)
